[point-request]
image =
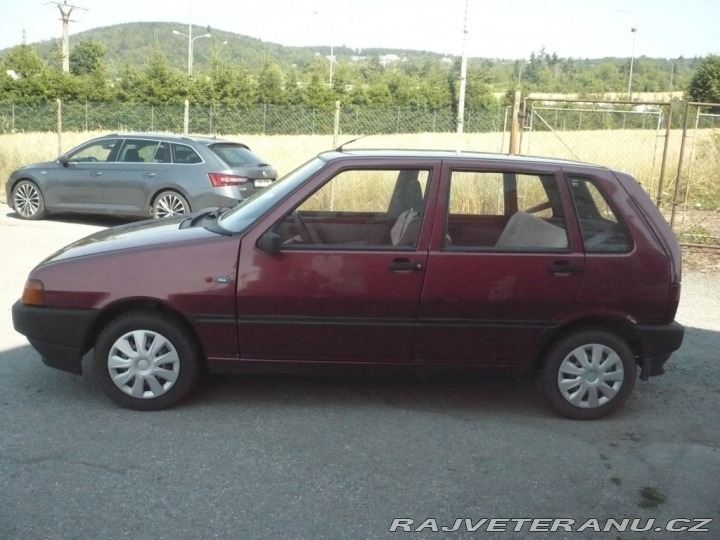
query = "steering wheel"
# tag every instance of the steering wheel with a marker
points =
(302, 228)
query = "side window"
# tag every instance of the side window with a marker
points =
(359, 209)
(182, 153)
(599, 224)
(99, 151)
(504, 211)
(138, 151)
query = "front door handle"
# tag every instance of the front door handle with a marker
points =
(402, 264)
(96, 173)
(150, 175)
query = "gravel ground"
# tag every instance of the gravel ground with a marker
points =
(304, 458)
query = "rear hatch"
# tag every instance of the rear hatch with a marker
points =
(244, 166)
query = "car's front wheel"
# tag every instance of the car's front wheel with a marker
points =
(145, 362)
(170, 203)
(589, 374)
(28, 201)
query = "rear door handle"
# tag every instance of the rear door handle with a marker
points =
(564, 267)
(406, 265)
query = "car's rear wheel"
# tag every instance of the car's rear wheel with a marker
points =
(145, 362)
(28, 201)
(589, 374)
(170, 203)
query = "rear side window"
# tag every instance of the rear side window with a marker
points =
(601, 229)
(138, 151)
(505, 211)
(236, 155)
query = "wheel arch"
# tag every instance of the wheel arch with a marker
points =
(157, 190)
(151, 306)
(621, 328)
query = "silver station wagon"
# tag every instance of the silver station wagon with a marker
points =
(140, 174)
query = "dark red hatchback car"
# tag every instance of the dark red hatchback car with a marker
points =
(403, 258)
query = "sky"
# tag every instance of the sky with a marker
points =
(510, 29)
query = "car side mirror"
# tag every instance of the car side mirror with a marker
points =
(64, 160)
(269, 243)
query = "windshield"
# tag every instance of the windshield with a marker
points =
(244, 214)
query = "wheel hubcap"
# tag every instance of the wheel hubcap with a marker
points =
(27, 200)
(169, 206)
(590, 376)
(143, 364)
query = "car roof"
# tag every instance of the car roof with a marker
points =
(169, 137)
(342, 153)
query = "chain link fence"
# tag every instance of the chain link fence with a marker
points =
(261, 119)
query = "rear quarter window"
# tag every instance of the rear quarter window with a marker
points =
(601, 228)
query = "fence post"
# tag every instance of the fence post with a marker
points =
(680, 164)
(661, 180)
(515, 125)
(59, 125)
(336, 124)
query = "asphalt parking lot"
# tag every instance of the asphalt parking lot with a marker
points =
(313, 457)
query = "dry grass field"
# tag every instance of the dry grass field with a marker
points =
(638, 152)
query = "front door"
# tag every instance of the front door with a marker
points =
(346, 282)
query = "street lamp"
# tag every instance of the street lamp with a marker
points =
(633, 29)
(672, 72)
(332, 43)
(632, 61)
(191, 43)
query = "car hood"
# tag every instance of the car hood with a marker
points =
(140, 235)
(41, 165)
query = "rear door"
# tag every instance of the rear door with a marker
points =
(502, 267)
(128, 182)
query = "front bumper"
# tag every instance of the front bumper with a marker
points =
(60, 335)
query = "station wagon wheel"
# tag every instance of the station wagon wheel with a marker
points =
(170, 203)
(27, 200)
(145, 362)
(589, 374)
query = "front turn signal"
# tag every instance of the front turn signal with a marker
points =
(33, 293)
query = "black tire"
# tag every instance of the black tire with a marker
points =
(151, 375)
(589, 374)
(28, 201)
(168, 204)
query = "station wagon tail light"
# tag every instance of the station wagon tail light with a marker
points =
(222, 180)
(33, 293)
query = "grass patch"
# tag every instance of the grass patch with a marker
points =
(651, 496)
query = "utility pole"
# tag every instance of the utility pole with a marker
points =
(460, 125)
(65, 13)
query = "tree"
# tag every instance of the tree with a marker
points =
(271, 84)
(25, 61)
(705, 84)
(87, 58)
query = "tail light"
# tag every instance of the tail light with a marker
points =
(223, 180)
